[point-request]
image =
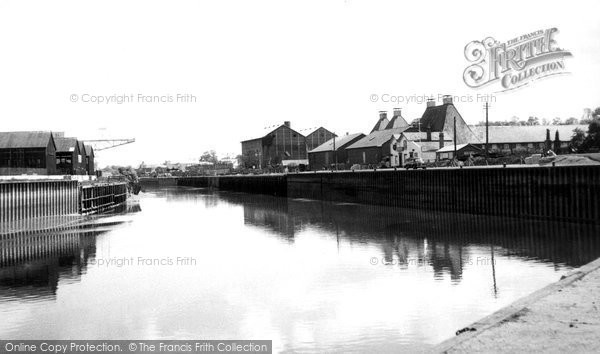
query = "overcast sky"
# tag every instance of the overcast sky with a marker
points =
(254, 64)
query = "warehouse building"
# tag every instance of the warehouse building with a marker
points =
(27, 153)
(333, 151)
(273, 148)
(69, 159)
(89, 160)
(526, 139)
(318, 138)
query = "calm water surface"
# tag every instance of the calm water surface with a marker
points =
(311, 276)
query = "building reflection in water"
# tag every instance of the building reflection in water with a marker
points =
(410, 237)
(31, 265)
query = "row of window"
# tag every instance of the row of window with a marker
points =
(22, 158)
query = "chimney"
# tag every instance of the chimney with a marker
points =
(382, 114)
(430, 102)
(287, 124)
(397, 111)
(441, 140)
(447, 99)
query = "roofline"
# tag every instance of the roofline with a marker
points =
(283, 125)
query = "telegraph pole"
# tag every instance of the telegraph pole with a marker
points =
(455, 158)
(335, 153)
(487, 129)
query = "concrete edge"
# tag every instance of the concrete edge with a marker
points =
(498, 317)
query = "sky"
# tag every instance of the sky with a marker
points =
(251, 65)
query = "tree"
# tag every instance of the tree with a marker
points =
(545, 121)
(533, 121)
(209, 156)
(556, 121)
(577, 139)
(572, 121)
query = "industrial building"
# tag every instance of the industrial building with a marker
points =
(273, 148)
(526, 139)
(332, 152)
(318, 138)
(27, 153)
(89, 160)
(69, 158)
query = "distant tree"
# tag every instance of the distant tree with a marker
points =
(577, 139)
(545, 121)
(209, 156)
(533, 121)
(556, 121)
(571, 121)
(514, 120)
(596, 113)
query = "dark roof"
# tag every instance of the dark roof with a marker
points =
(317, 130)
(339, 142)
(88, 149)
(16, 140)
(434, 118)
(376, 138)
(397, 122)
(65, 144)
(265, 133)
(381, 124)
(524, 134)
(81, 147)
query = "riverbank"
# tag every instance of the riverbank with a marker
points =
(562, 317)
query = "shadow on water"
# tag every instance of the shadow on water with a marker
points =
(31, 264)
(435, 238)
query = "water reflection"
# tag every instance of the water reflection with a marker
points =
(312, 276)
(32, 263)
(408, 236)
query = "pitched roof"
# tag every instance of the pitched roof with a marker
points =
(264, 132)
(434, 118)
(81, 147)
(381, 124)
(15, 140)
(525, 134)
(65, 144)
(450, 148)
(319, 129)
(88, 149)
(339, 142)
(376, 138)
(397, 122)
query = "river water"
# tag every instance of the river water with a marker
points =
(312, 276)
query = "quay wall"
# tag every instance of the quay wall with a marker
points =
(158, 182)
(558, 193)
(47, 199)
(260, 184)
(570, 193)
(31, 199)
